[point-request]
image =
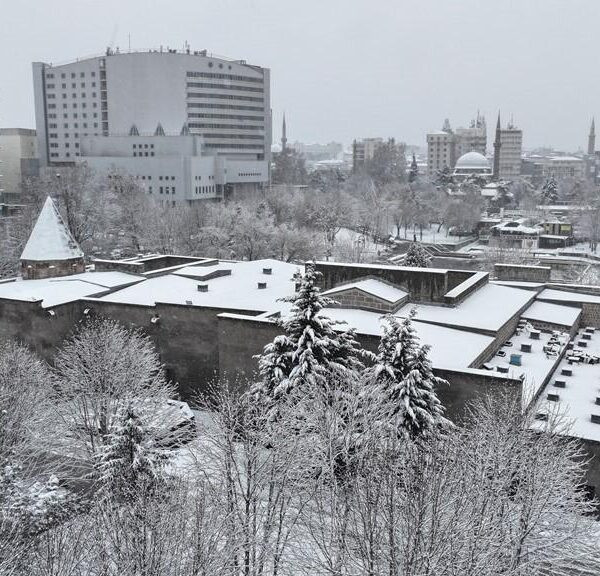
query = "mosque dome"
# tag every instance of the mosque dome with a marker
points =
(472, 161)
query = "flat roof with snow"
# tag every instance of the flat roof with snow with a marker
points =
(450, 348)
(566, 296)
(54, 291)
(552, 313)
(237, 291)
(488, 308)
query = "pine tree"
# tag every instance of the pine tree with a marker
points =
(550, 191)
(129, 462)
(311, 349)
(403, 383)
(416, 256)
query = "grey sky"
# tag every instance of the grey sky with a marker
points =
(347, 68)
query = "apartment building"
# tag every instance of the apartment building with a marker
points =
(18, 161)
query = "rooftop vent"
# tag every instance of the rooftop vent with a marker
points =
(541, 416)
(566, 372)
(267, 271)
(560, 384)
(534, 334)
(525, 347)
(262, 285)
(595, 418)
(582, 343)
(598, 400)
(586, 336)
(552, 397)
(202, 287)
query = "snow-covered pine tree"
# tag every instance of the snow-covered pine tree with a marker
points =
(416, 256)
(130, 462)
(402, 381)
(311, 350)
(550, 191)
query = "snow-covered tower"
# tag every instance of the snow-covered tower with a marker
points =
(283, 135)
(592, 139)
(51, 250)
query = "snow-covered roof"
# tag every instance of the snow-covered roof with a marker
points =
(237, 291)
(554, 313)
(54, 291)
(50, 238)
(565, 296)
(472, 160)
(450, 348)
(488, 308)
(374, 287)
(577, 400)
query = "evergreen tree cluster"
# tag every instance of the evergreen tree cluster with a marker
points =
(315, 351)
(549, 192)
(416, 256)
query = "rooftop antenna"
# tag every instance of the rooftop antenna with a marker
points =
(129, 41)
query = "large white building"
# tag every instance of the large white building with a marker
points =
(18, 161)
(102, 109)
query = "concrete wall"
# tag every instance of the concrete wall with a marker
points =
(592, 452)
(590, 315)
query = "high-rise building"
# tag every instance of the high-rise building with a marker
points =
(445, 146)
(283, 135)
(224, 103)
(441, 150)
(508, 145)
(18, 161)
(364, 150)
(473, 138)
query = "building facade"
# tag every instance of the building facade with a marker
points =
(18, 161)
(225, 103)
(364, 150)
(508, 146)
(445, 146)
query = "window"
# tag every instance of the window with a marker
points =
(63, 75)
(82, 75)
(93, 74)
(83, 84)
(65, 125)
(51, 106)
(72, 74)
(49, 75)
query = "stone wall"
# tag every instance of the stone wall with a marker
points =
(590, 315)
(423, 285)
(34, 270)
(521, 273)
(592, 474)
(355, 298)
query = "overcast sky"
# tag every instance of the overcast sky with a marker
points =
(347, 68)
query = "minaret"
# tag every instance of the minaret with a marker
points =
(283, 136)
(497, 146)
(592, 139)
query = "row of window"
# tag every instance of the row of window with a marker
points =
(67, 155)
(224, 76)
(140, 154)
(66, 144)
(143, 146)
(204, 189)
(225, 106)
(235, 146)
(73, 95)
(249, 174)
(224, 97)
(73, 105)
(210, 177)
(64, 85)
(75, 125)
(235, 136)
(226, 126)
(225, 116)
(73, 75)
(66, 116)
(166, 189)
(225, 87)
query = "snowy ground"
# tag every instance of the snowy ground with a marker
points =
(431, 235)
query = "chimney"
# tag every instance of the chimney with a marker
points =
(202, 287)
(267, 271)
(262, 285)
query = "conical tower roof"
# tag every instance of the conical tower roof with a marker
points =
(50, 238)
